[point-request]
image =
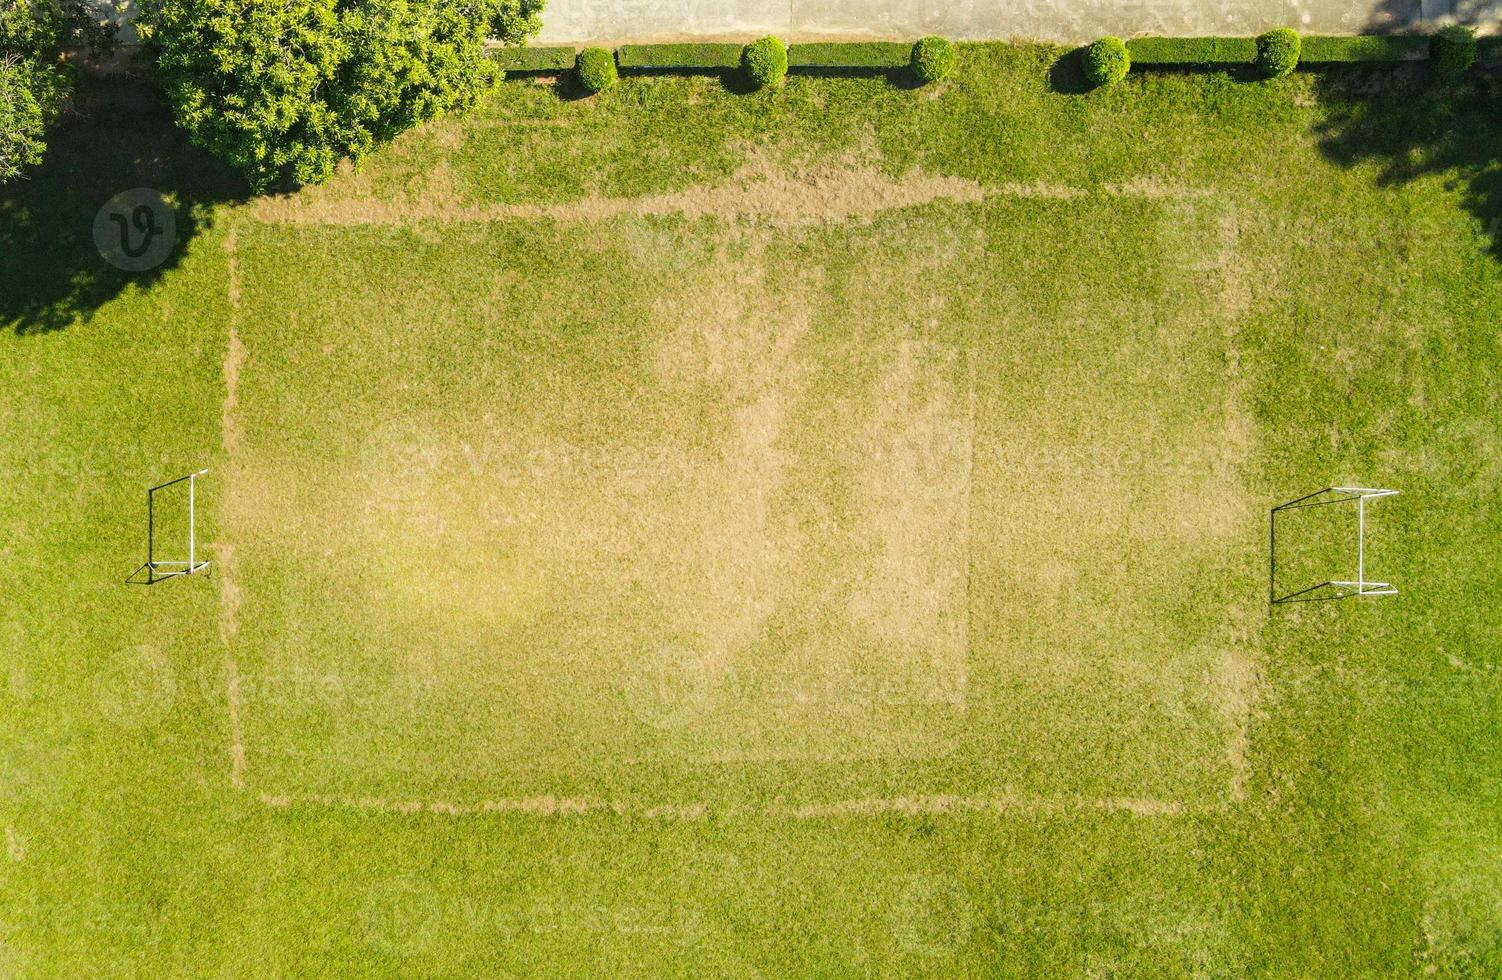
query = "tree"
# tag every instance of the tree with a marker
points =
(22, 118)
(284, 90)
(35, 82)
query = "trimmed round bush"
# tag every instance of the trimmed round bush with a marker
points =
(1106, 61)
(765, 61)
(596, 68)
(1452, 50)
(1278, 51)
(932, 59)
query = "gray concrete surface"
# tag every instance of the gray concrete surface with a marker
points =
(1068, 21)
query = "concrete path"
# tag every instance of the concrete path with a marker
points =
(1068, 21)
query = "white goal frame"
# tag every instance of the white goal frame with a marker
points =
(156, 569)
(1345, 588)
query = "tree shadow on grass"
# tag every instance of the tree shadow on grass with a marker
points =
(1414, 125)
(117, 137)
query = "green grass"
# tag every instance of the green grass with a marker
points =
(726, 465)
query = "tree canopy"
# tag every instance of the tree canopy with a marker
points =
(34, 80)
(284, 91)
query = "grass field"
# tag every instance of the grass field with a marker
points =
(817, 532)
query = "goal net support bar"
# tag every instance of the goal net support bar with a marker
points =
(1360, 585)
(157, 569)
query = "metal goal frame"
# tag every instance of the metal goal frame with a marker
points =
(1344, 588)
(160, 569)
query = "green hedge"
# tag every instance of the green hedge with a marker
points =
(1278, 51)
(1242, 50)
(1365, 47)
(535, 59)
(765, 61)
(932, 59)
(1106, 61)
(886, 55)
(679, 55)
(1452, 50)
(862, 54)
(596, 69)
(1192, 50)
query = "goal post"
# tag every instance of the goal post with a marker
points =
(1332, 588)
(157, 568)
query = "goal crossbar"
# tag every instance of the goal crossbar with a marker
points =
(158, 569)
(1360, 585)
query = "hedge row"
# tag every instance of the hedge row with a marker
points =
(1243, 50)
(1450, 52)
(672, 56)
(1365, 47)
(535, 59)
(864, 54)
(871, 55)
(1192, 50)
(891, 55)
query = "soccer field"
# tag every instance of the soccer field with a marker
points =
(818, 532)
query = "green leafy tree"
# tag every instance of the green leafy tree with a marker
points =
(283, 91)
(23, 118)
(35, 81)
(514, 21)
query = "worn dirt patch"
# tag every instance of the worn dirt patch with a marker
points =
(229, 590)
(760, 191)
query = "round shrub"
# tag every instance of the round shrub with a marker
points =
(1106, 61)
(1278, 51)
(596, 68)
(932, 59)
(1452, 50)
(765, 61)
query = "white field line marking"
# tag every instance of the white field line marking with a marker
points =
(229, 591)
(553, 806)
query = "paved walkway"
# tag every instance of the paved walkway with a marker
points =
(1068, 21)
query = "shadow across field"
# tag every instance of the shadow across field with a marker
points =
(118, 136)
(1413, 125)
